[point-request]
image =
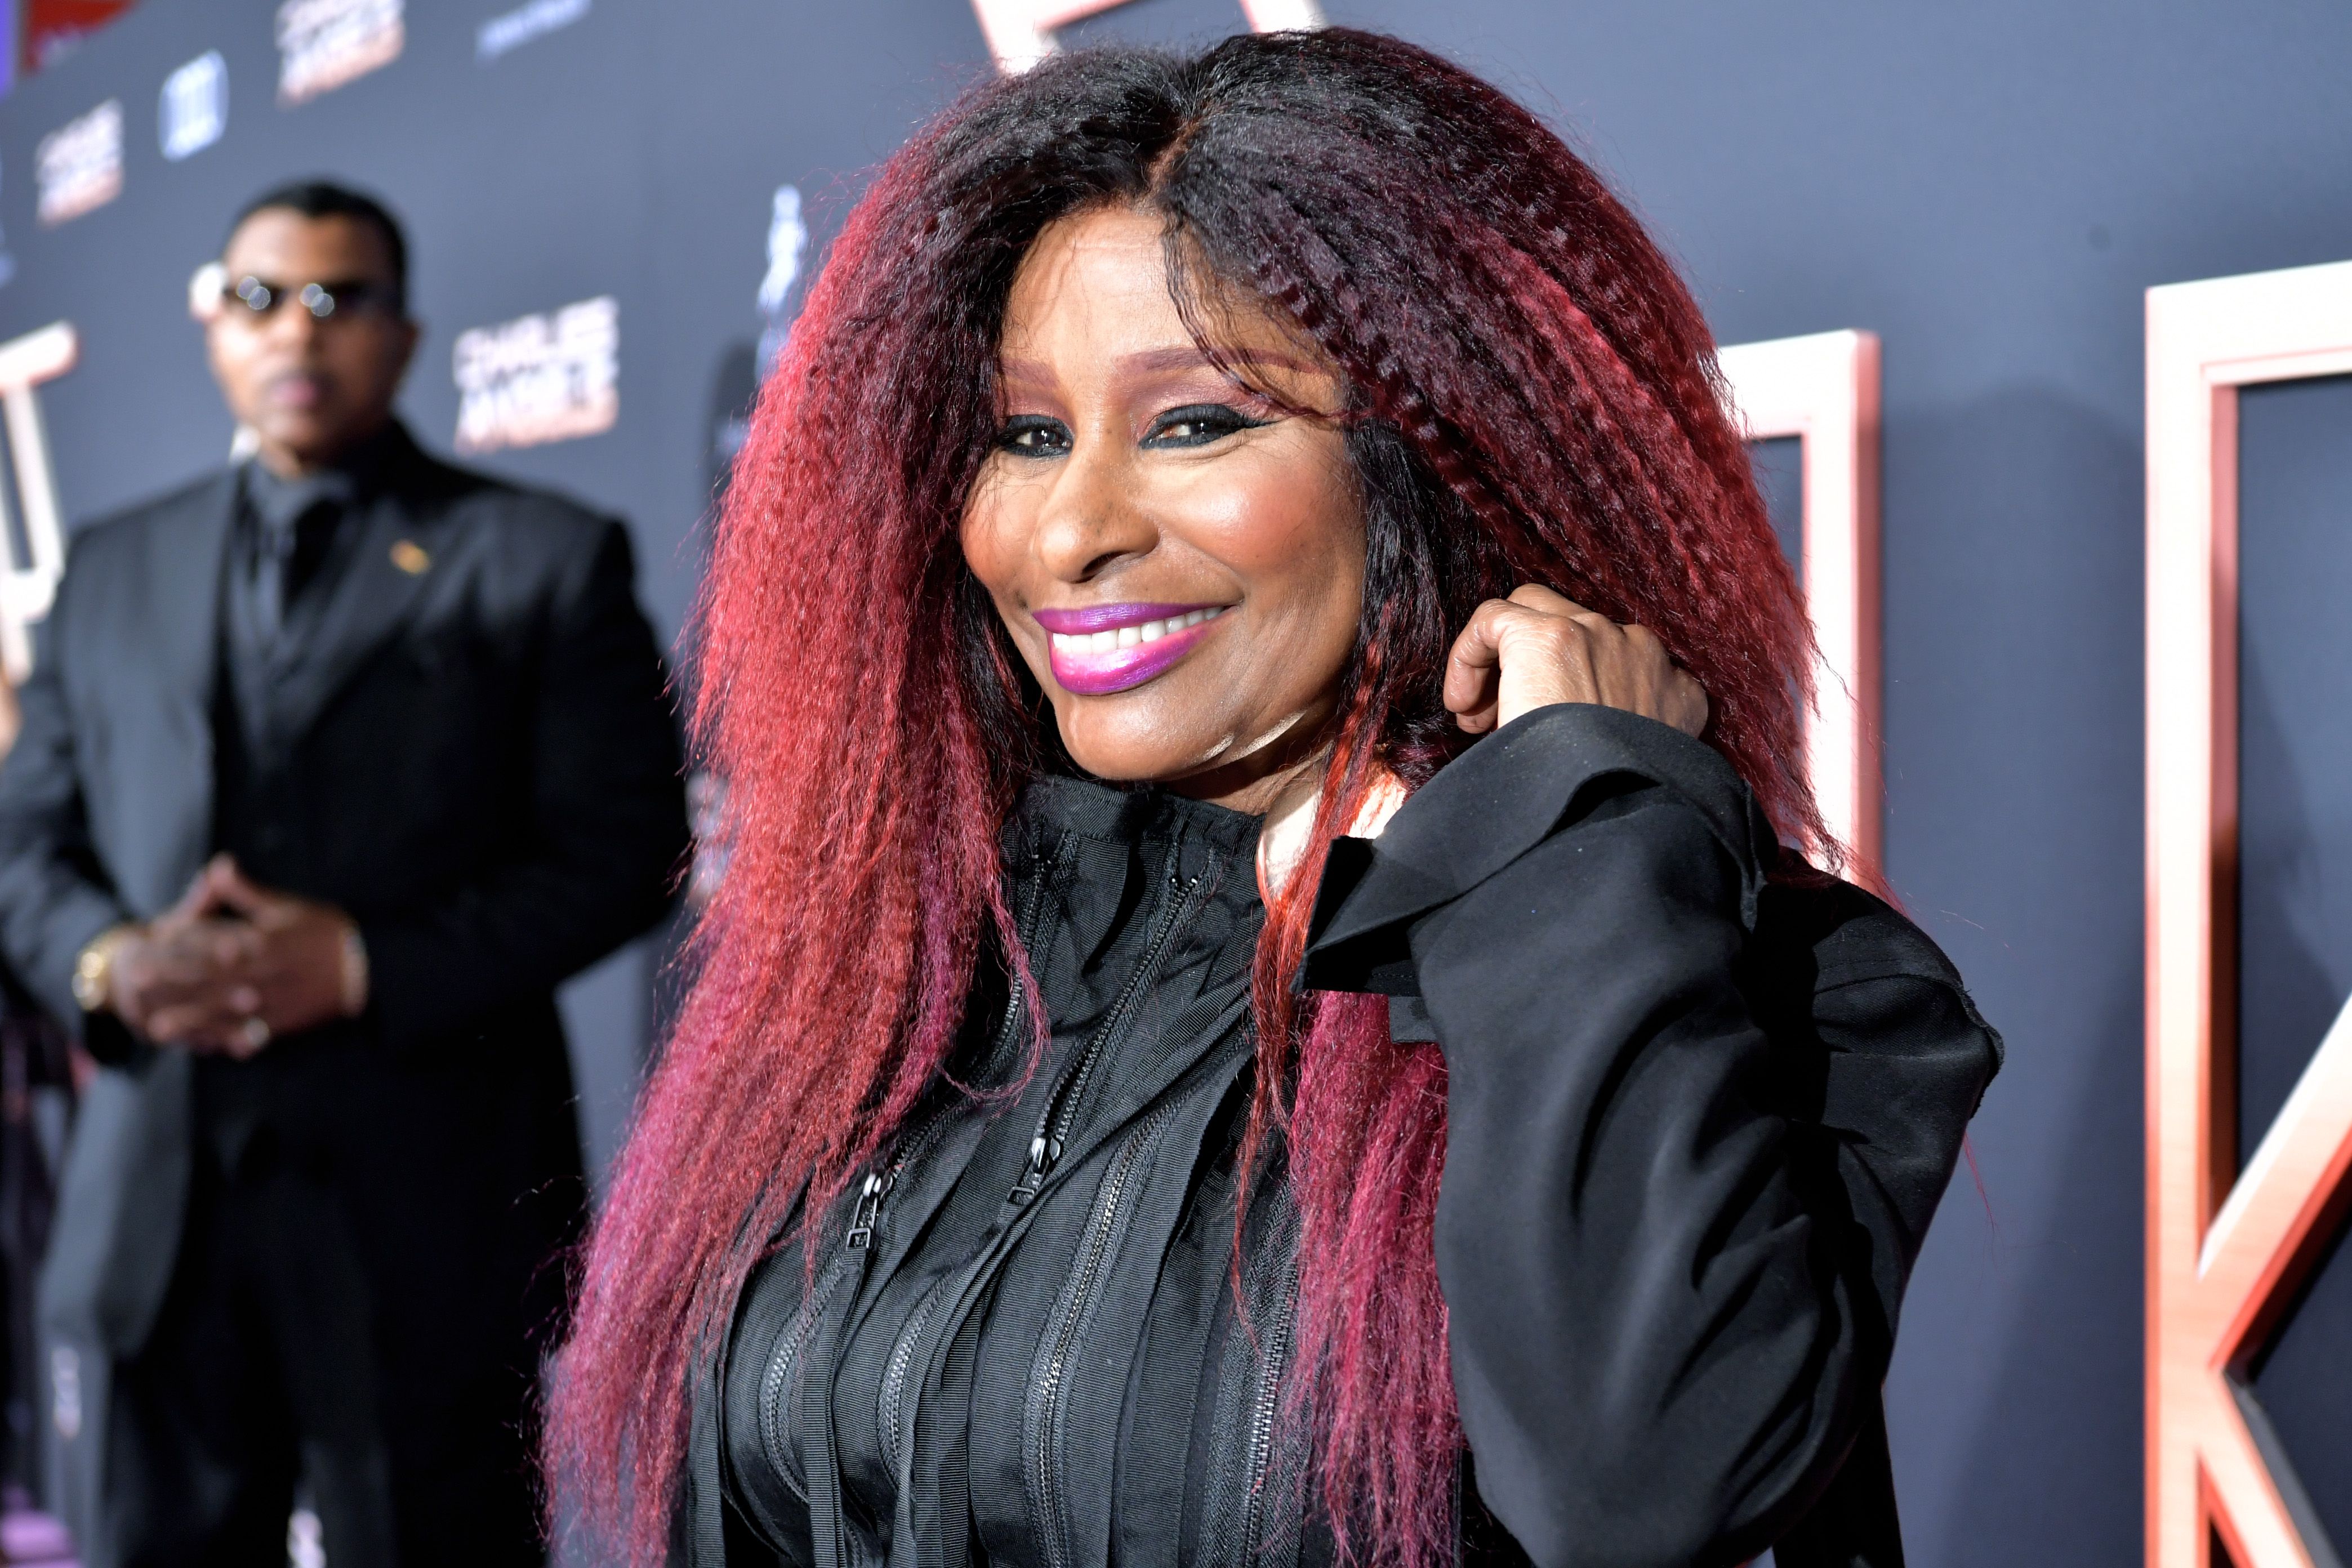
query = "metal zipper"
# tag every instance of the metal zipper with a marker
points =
(866, 1216)
(851, 1263)
(1262, 1413)
(1062, 1106)
(890, 1403)
(777, 1387)
(1024, 930)
(890, 1409)
(1044, 1393)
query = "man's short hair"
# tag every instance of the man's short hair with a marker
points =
(324, 198)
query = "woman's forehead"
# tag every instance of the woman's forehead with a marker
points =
(1094, 292)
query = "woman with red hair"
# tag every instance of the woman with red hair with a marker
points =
(1269, 1003)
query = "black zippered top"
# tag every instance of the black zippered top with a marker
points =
(1064, 1140)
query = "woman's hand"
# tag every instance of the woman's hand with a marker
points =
(1537, 647)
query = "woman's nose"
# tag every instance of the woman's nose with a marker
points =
(1090, 519)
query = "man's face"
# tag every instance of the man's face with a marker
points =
(308, 385)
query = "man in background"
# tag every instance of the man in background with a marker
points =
(334, 765)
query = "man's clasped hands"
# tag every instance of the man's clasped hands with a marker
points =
(234, 964)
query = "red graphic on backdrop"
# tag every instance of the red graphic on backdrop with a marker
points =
(52, 27)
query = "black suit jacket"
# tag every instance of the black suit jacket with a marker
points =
(484, 775)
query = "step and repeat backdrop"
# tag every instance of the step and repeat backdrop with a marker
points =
(616, 207)
(611, 204)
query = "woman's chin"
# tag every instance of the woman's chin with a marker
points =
(1116, 765)
(1124, 746)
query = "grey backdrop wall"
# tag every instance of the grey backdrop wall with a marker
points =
(1988, 187)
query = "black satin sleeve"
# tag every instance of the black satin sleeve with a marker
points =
(1698, 1122)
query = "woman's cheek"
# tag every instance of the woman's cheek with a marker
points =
(1273, 521)
(983, 535)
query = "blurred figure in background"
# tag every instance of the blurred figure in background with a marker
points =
(34, 1097)
(334, 765)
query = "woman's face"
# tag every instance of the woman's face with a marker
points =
(1180, 563)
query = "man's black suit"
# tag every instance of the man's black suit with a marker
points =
(479, 764)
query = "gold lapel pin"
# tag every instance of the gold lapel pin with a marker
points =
(410, 557)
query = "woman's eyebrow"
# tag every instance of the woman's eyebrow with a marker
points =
(1191, 357)
(1039, 376)
(1036, 373)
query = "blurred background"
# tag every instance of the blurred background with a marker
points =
(616, 207)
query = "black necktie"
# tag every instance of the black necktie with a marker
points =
(284, 557)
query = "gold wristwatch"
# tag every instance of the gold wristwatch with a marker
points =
(93, 975)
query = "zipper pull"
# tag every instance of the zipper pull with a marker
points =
(868, 1209)
(1043, 1149)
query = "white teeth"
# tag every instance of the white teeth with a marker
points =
(1130, 636)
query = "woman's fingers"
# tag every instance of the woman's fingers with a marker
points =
(1472, 669)
(1514, 656)
(1539, 646)
(1664, 690)
(1543, 601)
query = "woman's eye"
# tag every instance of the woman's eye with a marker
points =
(1034, 437)
(1198, 425)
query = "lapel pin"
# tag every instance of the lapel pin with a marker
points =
(410, 557)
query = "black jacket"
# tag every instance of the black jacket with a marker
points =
(1699, 1122)
(482, 770)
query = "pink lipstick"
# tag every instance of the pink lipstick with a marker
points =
(1111, 647)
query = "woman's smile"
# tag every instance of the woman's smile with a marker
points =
(1111, 647)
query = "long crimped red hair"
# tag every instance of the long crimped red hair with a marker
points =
(1534, 400)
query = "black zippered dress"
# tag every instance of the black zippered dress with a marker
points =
(1699, 1122)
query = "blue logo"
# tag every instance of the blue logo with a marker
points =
(195, 111)
(518, 26)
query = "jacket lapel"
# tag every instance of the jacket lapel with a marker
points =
(392, 561)
(165, 816)
(185, 549)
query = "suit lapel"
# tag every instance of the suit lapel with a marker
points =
(171, 785)
(389, 568)
(182, 551)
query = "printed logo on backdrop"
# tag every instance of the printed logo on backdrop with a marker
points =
(195, 107)
(322, 44)
(745, 365)
(513, 29)
(788, 238)
(1020, 33)
(536, 379)
(79, 166)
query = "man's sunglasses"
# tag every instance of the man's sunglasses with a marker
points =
(352, 298)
